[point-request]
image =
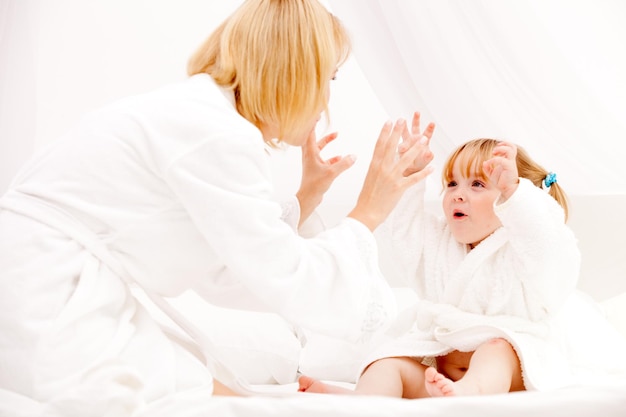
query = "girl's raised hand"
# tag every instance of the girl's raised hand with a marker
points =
(421, 139)
(502, 169)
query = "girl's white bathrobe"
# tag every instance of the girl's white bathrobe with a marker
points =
(168, 191)
(519, 284)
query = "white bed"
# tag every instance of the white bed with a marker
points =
(261, 348)
(604, 401)
(268, 354)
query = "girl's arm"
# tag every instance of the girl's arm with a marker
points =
(543, 252)
(401, 236)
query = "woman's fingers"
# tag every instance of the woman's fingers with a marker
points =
(391, 147)
(321, 144)
(387, 142)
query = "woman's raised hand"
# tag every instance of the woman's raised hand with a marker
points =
(390, 173)
(318, 174)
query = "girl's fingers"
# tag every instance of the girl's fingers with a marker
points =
(415, 127)
(407, 157)
(496, 172)
(408, 140)
(429, 131)
(506, 150)
(418, 176)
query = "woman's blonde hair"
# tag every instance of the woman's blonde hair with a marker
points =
(278, 57)
(472, 154)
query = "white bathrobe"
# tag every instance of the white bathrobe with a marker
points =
(519, 284)
(169, 191)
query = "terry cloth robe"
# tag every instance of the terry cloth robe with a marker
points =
(168, 191)
(517, 284)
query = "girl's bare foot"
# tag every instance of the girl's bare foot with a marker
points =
(437, 384)
(308, 384)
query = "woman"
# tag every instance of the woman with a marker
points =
(170, 191)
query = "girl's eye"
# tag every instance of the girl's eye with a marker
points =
(477, 184)
(452, 184)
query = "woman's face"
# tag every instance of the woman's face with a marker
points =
(468, 207)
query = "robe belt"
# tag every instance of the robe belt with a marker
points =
(52, 216)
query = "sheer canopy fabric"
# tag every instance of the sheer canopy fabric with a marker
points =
(548, 75)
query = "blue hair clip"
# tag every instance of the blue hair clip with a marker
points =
(549, 179)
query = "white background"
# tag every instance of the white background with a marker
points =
(60, 59)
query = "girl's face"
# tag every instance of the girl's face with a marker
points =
(468, 207)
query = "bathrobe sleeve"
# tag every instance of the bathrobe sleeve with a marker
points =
(330, 283)
(291, 212)
(541, 249)
(402, 238)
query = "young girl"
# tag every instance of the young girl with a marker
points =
(491, 277)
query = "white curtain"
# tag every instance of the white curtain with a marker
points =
(63, 58)
(549, 75)
(17, 87)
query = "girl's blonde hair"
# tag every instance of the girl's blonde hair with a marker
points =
(278, 57)
(472, 154)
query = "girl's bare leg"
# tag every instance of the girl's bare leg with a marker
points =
(493, 368)
(393, 377)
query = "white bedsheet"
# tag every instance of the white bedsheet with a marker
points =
(600, 399)
(605, 401)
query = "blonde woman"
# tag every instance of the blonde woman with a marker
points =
(170, 191)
